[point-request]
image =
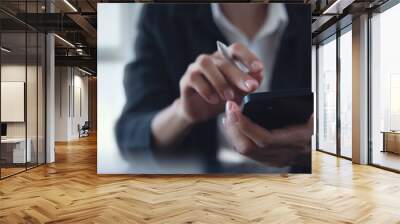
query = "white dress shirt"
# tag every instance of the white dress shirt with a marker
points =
(264, 45)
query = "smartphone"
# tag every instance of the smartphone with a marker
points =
(279, 109)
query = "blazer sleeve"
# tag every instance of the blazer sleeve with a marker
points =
(147, 87)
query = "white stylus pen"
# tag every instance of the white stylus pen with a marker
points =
(223, 49)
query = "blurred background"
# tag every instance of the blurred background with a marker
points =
(116, 32)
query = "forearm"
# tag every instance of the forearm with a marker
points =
(169, 126)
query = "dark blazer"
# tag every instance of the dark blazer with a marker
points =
(170, 37)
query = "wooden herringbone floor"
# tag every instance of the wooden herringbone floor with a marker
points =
(70, 191)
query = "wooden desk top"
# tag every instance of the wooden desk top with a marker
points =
(391, 132)
(13, 140)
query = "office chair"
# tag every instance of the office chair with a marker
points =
(84, 130)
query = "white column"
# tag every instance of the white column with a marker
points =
(50, 92)
(314, 90)
(50, 100)
(360, 90)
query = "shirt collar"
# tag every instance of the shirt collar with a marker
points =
(276, 18)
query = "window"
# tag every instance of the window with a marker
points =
(327, 96)
(385, 89)
(346, 93)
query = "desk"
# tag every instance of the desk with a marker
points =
(391, 141)
(13, 150)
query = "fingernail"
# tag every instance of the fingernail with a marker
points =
(231, 106)
(233, 117)
(214, 99)
(229, 95)
(256, 66)
(251, 85)
(228, 106)
(234, 107)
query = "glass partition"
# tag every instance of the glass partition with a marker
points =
(32, 95)
(327, 95)
(14, 153)
(23, 91)
(32, 83)
(41, 107)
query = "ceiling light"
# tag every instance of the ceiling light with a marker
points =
(337, 7)
(65, 41)
(79, 51)
(5, 50)
(84, 71)
(70, 5)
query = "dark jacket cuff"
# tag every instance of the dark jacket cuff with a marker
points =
(135, 134)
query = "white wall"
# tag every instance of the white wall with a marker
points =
(19, 73)
(80, 84)
(61, 103)
(69, 84)
(13, 101)
(33, 126)
(15, 73)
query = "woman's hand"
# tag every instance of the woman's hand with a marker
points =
(279, 148)
(212, 80)
(205, 87)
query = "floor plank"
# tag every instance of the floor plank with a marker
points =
(70, 191)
